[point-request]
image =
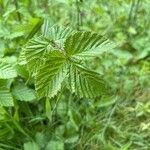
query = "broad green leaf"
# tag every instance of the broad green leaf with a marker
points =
(23, 93)
(7, 71)
(34, 51)
(105, 46)
(22, 71)
(6, 98)
(58, 33)
(86, 83)
(42, 139)
(82, 42)
(31, 146)
(50, 75)
(55, 145)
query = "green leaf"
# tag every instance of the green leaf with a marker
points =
(23, 93)
(31, 146)
(55, 145)
(49, 61)
(6, 98)
(7, 71)
(82, 42)
(105, 46)
(22, 58)
(86, 83)
(50, 75)
(58, 33)
(34, 51)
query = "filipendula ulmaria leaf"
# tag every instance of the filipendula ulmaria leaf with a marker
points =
(86, 83)
(51, 74)
(23, 93)
(85, 44)
(5, 97)
(7, 71)
(34, 52)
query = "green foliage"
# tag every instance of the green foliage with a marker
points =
(86, 83)
(31, 146)
(49, 77)
(5, 97)
(81, 42)
(74, 74)
(53, 63)
(23, 93)
(7, 71)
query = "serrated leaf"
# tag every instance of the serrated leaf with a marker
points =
(105, 46)
(5, 97)
(22, 59)
(49, 60)
(23, 93)
(86, 83)
(50, 75)
(34, 51)
(82, 42)
(7, 71)
(57, 33)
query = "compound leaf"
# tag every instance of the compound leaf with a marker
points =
(50, 75)
(86, 83)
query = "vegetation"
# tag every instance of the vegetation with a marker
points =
(75, 75)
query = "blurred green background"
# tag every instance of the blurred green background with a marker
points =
(119, 122)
